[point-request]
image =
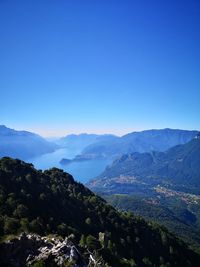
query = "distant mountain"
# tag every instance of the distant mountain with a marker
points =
(145, 141)
(179, 166)
(80, 141)
(51, 202)
(22, 144)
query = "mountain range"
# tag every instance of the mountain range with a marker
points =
(161, 186)
(178, 167)
(78, 142)
(23, 144)
(144, 141)
(51, 203)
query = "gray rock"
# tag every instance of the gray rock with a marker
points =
(28, 249)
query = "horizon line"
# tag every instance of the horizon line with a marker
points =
(52, 133)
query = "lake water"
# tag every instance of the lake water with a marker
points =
(81, 171)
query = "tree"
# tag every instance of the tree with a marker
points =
(36, 226)
(62, 229)
(88, 221)
(92, 243)
(147, 261)
(21, 211)
(82, 242)
(10, 225)
(24, 224)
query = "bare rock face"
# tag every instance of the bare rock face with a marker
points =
(28, 249)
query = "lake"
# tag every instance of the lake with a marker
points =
(81, 171)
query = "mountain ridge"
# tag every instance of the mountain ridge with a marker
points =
(144, 141)
(162, 186)
(51, 202)
(181, 161)
(83, 140)
(23, 144)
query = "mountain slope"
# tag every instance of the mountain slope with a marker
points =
(52, 202)
(22, 144)
(79, 141)
(178, 166)
(145, 141)
(179, 218)
(162, 186)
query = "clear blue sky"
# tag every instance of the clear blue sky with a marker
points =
(99, 65)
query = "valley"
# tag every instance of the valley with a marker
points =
(160, 186)
(99, 133)
(185, 197)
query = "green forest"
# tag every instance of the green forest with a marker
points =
(51, 202)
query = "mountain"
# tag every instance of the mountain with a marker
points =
(51, 202)
(161, 186)
(23, 144)
(178, 167)
(175, 214)
(80, 141)
(144, 141)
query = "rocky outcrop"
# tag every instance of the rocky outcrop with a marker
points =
(28, 249)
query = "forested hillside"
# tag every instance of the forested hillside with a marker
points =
(51, 202)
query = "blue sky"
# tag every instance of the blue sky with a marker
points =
(99, 65)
